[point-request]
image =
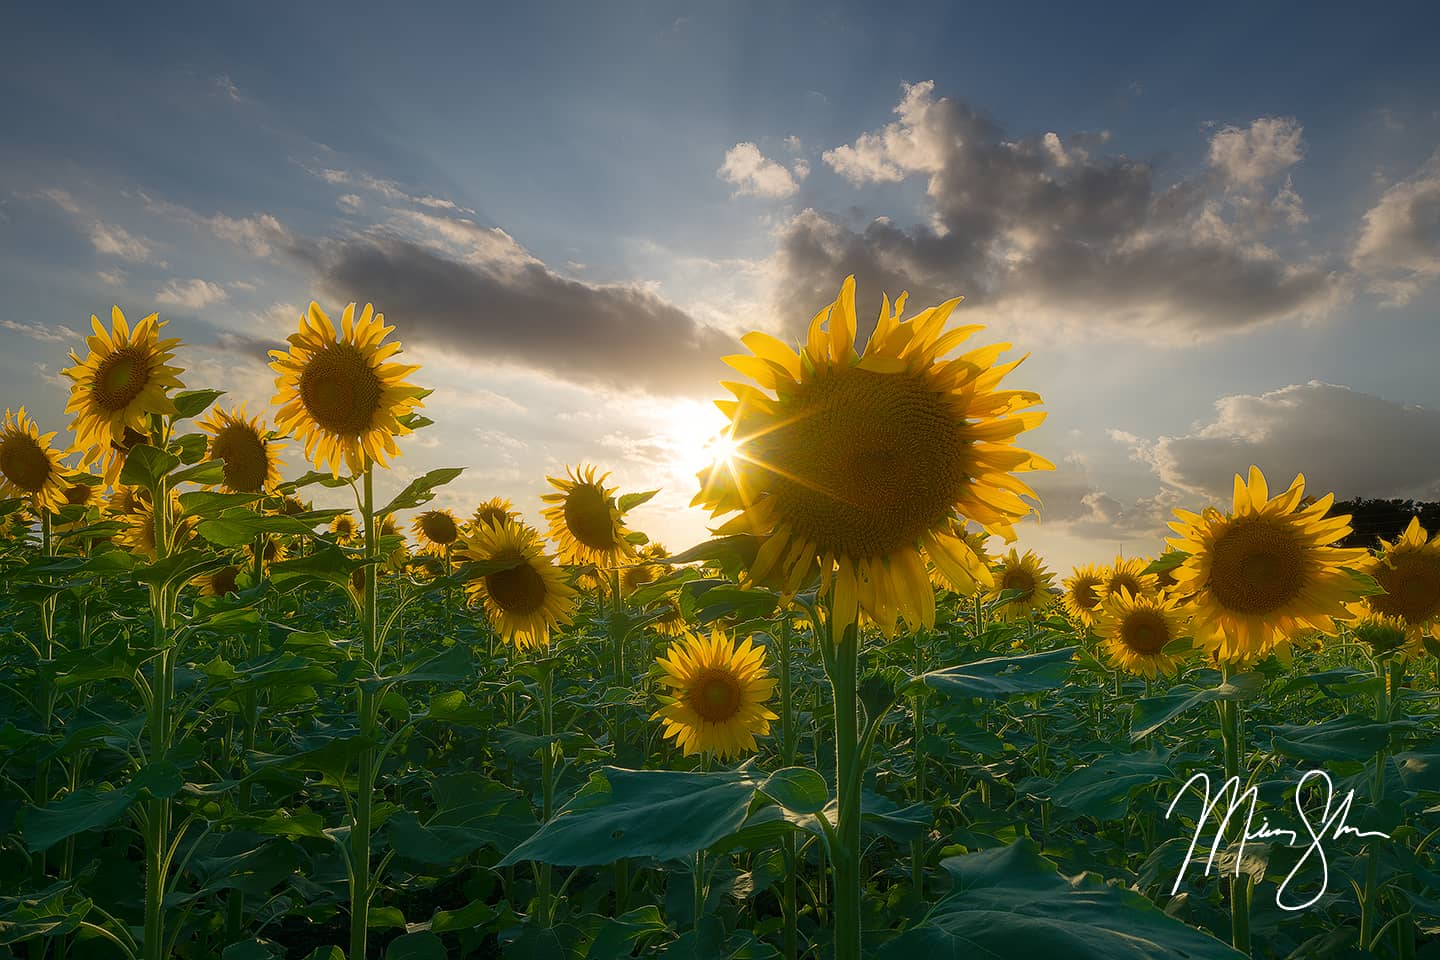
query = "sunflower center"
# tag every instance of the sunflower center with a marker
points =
(1126, 582)
(121, 377)
(1257, 567)
(519, 590)
(1144, 632)
(1413, 588)
(1085, 596)
(222, 581)
(247, 463)
(714, 694)
(438, 527)
(79, 495)
(24, 463)
(340, 390)
(1018, 580)
(863, 463)
(587, 515)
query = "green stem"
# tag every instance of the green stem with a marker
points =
(1232, 733)
(843, 666)
(547, 785)
(160, 724)
(790, 935)
(367, 709)
(1369, 911)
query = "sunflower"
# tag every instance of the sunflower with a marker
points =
(1409, 571)
(1126, 575)
(1083, 593)
(864, 461)
(125, 500)
(251, 461)
(81, 494)
(293, 507)
(338, 394)
(138, 531)
(525, 601)
(1026, 574)
(646, 569)
(273, 552)
(346, 530)
(585, 523)
(1136, 628)
(976, 541)
(671, 620)
(218, 583)
(493, 511)
(29, 464)
(1264, 571)
(436, 530)
(122, 380)
(401, 552)
(716, 700)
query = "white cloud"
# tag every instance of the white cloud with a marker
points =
(116, 241)
(350, 201)
(113, 277)
(1399, 243)
(260, 235)
(193, 294)
(792, 143)
(1251, 155)
(801, 169)
(228, 89)
(755, 175)
(57, 333)
(916, 143)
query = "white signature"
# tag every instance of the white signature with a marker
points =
(1332, 826)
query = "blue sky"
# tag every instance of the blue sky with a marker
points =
(1216, 230)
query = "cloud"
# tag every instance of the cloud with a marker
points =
(116, 241)
(389, 189)
(194, 294)
(350, 201)
(1070, 500)
(1251, 155)
(494, 302)
(261, 235)
(1051, 231)
(1344, 441)
(228, 89)
(801, 169)
(1399, 244)
(792, 143)
(113, 277)
(755, 175)
(57, 333)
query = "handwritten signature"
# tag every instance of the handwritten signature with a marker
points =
(1331, 826)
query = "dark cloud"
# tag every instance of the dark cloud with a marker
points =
(506, 306)
(1037, 227)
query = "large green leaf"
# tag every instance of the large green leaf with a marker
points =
(1000, 677)
(416, 946)
(1344, 738)
(1011, 902)
(1102, 789)
(642, 813)
(421, 490)
(1151, 713)
(85, 809)
(146, 465)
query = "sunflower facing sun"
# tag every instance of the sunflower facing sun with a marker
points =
(493, 511)
(338, 395)
(251, 461)
(1264, 572)
(30, 465)
(1136, 628)
(1083, 591)
(1025, 573)
(1409, 570)
(121, 381)
(716, 700)
(1126, 574)
(585, 522)
(524, 601)
(863, 461)
(436, 530)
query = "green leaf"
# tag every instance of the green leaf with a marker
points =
(85, 809)
(1364, 584)
(326, 953)
(1344, 738)
(237, 527)
(206, 471)
(1011, 902)
(416, 946)
(145, 466)
(1166, 562)
(160, 779)
(630, 501)
(190, 447)
(421, 490)
(314, 476)
(192, 403)
(253, 950)
(452, 666)
(1000, 677)
(1102, 789)
(797, 788)
(641, 813)
(209, 503)
(1151, 713)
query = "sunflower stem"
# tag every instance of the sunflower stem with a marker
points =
(544, 905)
(843, 667)
(158, 813)
(367, 710)
(1368, 905)
(790, 935)
(1232, 731)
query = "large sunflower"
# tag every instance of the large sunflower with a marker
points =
(30, 465)
(1126, 574)
(436, 530)
(251, 461)
(338, 394)
(122, 380)
(716, 700)
(1083, 593)
(1409, 571)
(526, 601)
(585, 522)
(863, 462)
(1265, 571)
(1136, 628)
(1027, 574)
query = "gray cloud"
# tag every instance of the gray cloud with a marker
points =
(1399, 243)
(1037, 227)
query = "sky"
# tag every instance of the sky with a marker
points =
(1214, 229)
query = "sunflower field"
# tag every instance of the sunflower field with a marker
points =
(862, 720)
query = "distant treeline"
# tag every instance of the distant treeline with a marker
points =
(1375, 520)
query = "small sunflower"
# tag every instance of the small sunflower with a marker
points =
(397, 556)
(125, 500)
(717, 695)
(1027, 574)
(1136, 629)
(493, 511)
(293, 507)
(346, 530)
(1082, 595)
(138, 533)
(338, 395)
(273, 552)
(646, 569)
(1409, 571)
(82, 494)
(219, 583)
(30, 465)
(252, 462)
(436, 530)
(1126, 574)
(526, 601)
(1386, 636)
(863, 462)
(671, 620)
(1265, 571)
(585, 522)
(121, 381)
